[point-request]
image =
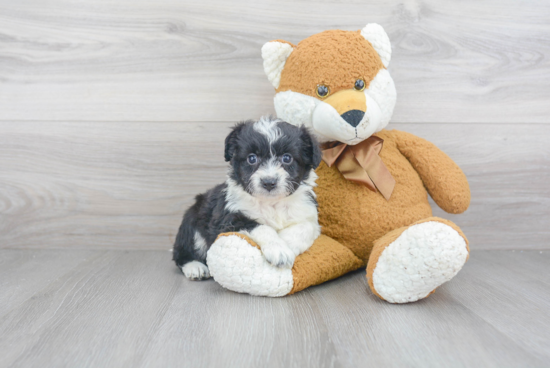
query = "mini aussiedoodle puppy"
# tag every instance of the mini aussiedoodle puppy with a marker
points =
(268, 195)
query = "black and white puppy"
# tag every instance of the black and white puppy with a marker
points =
(268, 195)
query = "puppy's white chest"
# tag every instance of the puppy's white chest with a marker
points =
(280, 215)
(276, 213)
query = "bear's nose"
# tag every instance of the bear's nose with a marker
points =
(353, 117)
(268, 183)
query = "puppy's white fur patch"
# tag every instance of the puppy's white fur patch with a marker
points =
(423, 257)
(195, 270)
(300, 237)
(200, 245)
(268, 127)
(273, 247)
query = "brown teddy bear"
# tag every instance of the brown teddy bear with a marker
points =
(373, 184)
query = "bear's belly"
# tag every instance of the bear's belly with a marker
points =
(356, 216)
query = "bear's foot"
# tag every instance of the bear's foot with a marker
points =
(409, 263)
(237, 264)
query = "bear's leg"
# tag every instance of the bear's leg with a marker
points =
(236, 263)
(408, 263)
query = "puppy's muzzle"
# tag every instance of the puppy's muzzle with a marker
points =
(350, 104)
(268, 183)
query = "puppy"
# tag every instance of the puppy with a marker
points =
(268, 195)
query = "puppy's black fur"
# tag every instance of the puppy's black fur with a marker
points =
(210, 217)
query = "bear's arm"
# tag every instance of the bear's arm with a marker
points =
(442, 177)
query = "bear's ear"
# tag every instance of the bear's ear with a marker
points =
(275, 54)
(378, 38)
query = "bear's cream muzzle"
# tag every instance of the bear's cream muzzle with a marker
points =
(348, 116)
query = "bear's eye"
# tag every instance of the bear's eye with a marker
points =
(252, 159)
(286, 159)
(322, 90)
(359, 85)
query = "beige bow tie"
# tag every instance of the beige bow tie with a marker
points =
(361, 164)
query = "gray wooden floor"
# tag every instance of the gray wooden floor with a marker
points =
(113, 308)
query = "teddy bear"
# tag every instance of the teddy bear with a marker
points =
(373, 184)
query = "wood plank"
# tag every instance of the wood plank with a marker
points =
(126, 185)
(99, 314)
(25, 272)
(435, 332)
(508, 170)
(533, 263)
(519, 293)
(168, 60)
(212, 327)
(135, 309)
(103, 185)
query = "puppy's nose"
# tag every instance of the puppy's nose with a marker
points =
(353, 117)
(268, 183)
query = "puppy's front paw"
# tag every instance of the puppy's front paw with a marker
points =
(278, 255)
(300, 237)
(195, 270)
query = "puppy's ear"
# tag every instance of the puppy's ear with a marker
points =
(311, 147)
(231, 141)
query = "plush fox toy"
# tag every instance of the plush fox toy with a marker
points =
(373, 183)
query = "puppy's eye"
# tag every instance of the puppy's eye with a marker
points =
(322, 90)
(359, 85)
(252, 159)
(286, 159)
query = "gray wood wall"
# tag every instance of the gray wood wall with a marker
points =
(113, 113)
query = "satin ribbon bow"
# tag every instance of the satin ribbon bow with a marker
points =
(361, 164)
